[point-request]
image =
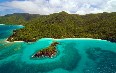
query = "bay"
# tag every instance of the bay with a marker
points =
(75, 55)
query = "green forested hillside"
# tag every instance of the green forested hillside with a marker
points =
(17, 18)
(63, 25)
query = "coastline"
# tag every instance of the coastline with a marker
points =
(9, 39)
(2, 24)
(79, 39)
(55, 40)
(13, 41)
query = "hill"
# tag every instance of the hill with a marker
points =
(62, 25)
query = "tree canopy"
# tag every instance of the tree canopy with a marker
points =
(62, 25)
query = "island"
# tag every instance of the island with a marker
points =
(48, 52)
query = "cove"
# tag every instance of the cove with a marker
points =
(75, 55)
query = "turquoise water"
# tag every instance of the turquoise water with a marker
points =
(7, 30)
(76, 55)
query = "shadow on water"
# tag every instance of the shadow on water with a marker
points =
(104, 60)
(71, 57)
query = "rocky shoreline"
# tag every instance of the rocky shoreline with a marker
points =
(49, 52)
(113, 40)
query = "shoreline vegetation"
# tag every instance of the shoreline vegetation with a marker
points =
(49, 52)
(62, 25)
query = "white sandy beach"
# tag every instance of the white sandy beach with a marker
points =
(13, 41)
(2, 24)
(79, 39)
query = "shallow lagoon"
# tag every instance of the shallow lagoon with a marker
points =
(75, 55)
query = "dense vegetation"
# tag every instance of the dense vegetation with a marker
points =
(50, 51)
(62, 25)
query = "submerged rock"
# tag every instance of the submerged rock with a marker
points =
(50, 51)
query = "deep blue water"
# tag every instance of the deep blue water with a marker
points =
(76, 55)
